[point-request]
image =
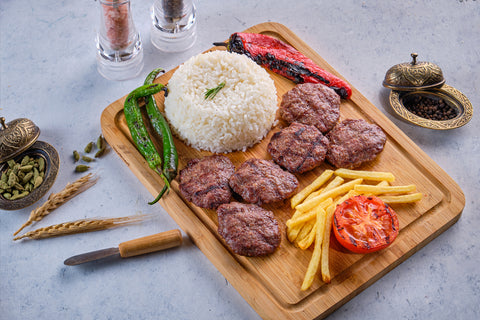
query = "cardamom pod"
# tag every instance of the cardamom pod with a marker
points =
(76, 156)
(27, 177)
(100, 142)
(87, 159)
(19, 195)
(38, 181)
(89, 147)
(4, 177)
(12, 179)
(81, 168)
(100, 152)
(25, 160)
(26, 168)
(41, 164)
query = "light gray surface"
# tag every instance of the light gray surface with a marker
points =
(48, 74)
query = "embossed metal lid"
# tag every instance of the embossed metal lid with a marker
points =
(16, 136)
(414, 75)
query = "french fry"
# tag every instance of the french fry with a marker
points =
(366, 175)
(292, 233)
(325, 267)
(337, 181)
(306, 242)
(306, 216)
(304, 232)
(317, 251)
(405, 198)
(340, 190)
(366, 188)
(317, 183)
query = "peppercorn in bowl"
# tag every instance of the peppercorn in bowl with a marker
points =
(439, 108)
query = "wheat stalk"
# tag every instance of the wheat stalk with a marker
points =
(55, 200)
(79, 226)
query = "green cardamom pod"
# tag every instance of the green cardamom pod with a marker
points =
(81, 168)
(38, 181)
(89, 147)
(11, 163)
(4, 177)
(27, 177)
(100, 152)
(41, 164)
(18, 186)
(100, 142)
(12, 179)
(26, 168)
(76, 156)
(87, 159)
(19, 195)
(25, 160)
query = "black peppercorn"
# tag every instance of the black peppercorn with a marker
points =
(432, 108)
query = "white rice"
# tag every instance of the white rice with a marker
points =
(241, 113)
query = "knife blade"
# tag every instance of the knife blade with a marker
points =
(131, 248)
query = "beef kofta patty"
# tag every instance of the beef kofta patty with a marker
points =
(298, 148)
(248, 229)
(205, 181)
(262, 181)
(353, 142)
(311, 103)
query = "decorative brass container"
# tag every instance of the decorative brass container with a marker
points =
(425, 79)
(18, 138)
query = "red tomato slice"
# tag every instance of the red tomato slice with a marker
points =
(365, 224)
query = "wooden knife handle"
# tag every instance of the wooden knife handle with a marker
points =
(155, 242)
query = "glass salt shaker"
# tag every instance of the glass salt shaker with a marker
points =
(119, 47)
(173, 25)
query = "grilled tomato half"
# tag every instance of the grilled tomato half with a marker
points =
(364, 224)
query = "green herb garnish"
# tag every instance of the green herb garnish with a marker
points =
(211, 93)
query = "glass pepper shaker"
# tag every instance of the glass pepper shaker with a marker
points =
(119, 47)
(173, 25)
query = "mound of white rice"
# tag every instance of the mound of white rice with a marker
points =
(241, 113)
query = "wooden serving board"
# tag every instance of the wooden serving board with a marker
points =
(271, 284)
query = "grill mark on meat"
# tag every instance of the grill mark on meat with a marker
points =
(313, 104)
(262, 181)
(298, 148)
(248, 229)
(204, 181)
(353, 142)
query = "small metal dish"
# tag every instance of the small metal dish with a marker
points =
(425, 79)
(450, 95)
(52, 164)
(18, 138)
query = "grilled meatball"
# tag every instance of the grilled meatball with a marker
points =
(353, 142)
(248, 229)
(298, 148)
(205, 181)
(311, 103)
(262, 181)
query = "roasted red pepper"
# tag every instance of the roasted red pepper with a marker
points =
(285, 60)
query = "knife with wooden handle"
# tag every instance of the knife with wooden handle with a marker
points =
(131, 248)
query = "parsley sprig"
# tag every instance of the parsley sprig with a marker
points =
(211, 93)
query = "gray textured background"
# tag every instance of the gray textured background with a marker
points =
(48, 74)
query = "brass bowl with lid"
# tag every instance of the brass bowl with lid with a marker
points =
(18, 138)
(417, 80)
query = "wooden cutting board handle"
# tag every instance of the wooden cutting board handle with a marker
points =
(155, 242)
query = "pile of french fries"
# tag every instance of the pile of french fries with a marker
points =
(315, 205)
